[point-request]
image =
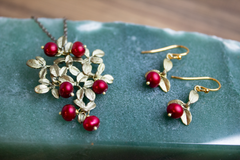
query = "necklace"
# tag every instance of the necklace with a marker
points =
(62, 85)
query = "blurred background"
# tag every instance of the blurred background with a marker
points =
(213, 17)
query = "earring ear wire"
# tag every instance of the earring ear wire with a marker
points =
(170, 55)
(178, 109)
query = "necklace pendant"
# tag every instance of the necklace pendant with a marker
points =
(63, 79)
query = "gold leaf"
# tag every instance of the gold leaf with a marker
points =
(87, 53)
(60, 42)
(107, 78)
(87, 68)
(90, 94)
(54, 70)
(63, 71)
(81, 117)
(81, 77)
(88, 84)
(80, 94)
(68, 47)
(89, 107)
(177, 101)
(54, 79)
(154, 70)
(59, 60)
(65, 78)
(96, 60)
(100, 69)
(79, 103)
(68, 60)
(44, 81)
(74, 70)
(33, 63)
(80, 60)
(41, 89)
(164, 84)
(55, 93)
(167, 64)
(186, 117)
(43, 73)
(41, 60)
(193, 96)
(98, 53)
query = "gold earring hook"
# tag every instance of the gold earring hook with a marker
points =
(201, 88)
(170, 55)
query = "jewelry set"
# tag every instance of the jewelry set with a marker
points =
(89, 84)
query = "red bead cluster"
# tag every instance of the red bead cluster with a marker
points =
(90, 123)
(51, 49)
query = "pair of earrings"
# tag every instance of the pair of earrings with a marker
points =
(176, 108)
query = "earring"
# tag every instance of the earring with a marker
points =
(155, 77)
(178, 109)
(62, 85)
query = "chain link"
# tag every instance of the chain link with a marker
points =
(46, 31)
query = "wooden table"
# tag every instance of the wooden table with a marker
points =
(213, 17)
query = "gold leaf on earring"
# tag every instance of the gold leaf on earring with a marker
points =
(81, 77)
(164, 84)
(98, 53)
(41, 89)
(63, 71)
(177, 101)
(193, 96)
(59, 60)
(55, 93)
(186, 117)
(90, 106)
(167, 64)
(68, 60)
(154, 70)
(33, 63)
(44, 81)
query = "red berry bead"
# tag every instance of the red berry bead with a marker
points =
(100, 86)
(68, 112)
(153, 79)
(66, 90)
(50, 49)
(91, 123)
(78, 49)
(175, 110)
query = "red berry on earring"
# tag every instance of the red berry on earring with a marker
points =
(50, 49)
(100, 86)
(175, 110)
(68, 112)
(78, 49)
(91, 123)
(66, 90)
(153, 79)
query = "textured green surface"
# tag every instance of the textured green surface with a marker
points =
(133, 116)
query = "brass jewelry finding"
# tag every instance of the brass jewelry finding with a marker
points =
(156, 78)
(178, 109)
